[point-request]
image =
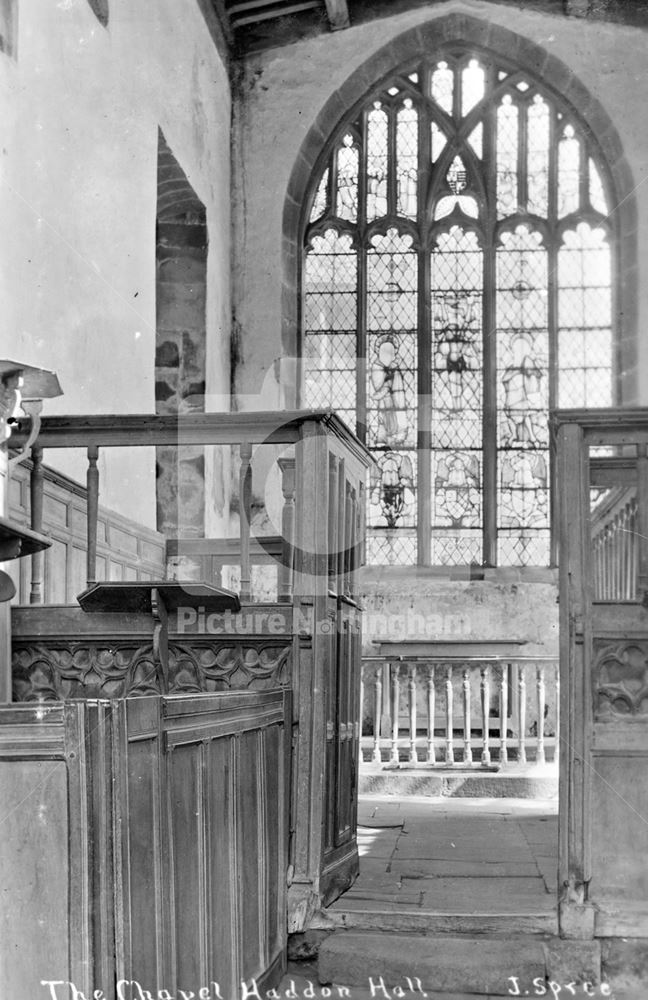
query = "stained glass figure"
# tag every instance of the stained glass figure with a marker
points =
(457, 489)
(407, 160)
(392, 280)
(523, 397)
(376, 163)
(456, 278)
(443, 86)
(347, 178)
(507, 157)
(538, 156)
(568, 172)
(492, 224)
(393, 491)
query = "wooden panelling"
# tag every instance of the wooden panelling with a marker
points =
(33, 874)
(604, 676)
(619, 885)
(148, 844)
(126, 550)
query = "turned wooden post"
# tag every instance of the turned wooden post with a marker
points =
(395, 704)
(378, 697)
(431, 708)
(449, 753)
(521, 706)
(504, 713)
(540, 696)
(287, 466)
(245, 513)
(485, 709)
(465, 685)
(36, 503)
(92, 481)
(411, 690)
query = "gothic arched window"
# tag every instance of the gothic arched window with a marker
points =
(456, 284)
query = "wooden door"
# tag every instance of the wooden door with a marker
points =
(202, 859)
(602, 466)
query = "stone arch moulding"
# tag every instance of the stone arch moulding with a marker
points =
(422, 41)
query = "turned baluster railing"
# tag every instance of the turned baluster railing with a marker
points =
(252, 434)
(472, 711)
(615, 546)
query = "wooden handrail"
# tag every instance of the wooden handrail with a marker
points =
(311, 432)
(263, 548)
(143, 430)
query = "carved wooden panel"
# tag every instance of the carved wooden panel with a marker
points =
(229, 666)
(621, 677)
(56, 671)
(83, 670)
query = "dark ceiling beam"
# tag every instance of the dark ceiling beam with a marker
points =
(338, 14)
(243, 12)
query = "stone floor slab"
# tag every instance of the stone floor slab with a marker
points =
(424, 868)
(500, 895)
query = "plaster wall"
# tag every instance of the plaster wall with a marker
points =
(81, 105)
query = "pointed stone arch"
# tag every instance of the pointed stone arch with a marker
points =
(422, 41)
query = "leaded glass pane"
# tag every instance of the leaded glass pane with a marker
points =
(392, 508)
(538, 156)
(376, 163)
(392, 280)
(443, 86)
(507, 158)
(438, 141)
(523, 394)
(523, 547)
(319, 204)
(386, 330)
(476, 140)
(407, 160)
(584, 319)
(456, 547)
(456, 308)
(568, 173)
(597, 197)
(330, 310)
(347, 180)
(472, 86)
(391, 548)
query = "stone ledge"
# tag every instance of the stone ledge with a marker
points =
(456, 784)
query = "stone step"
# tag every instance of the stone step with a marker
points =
(374, 780)
(374, 918)
(406, 966)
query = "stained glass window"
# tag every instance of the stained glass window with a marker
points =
(457, 283)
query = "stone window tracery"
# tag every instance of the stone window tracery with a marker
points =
(457, 283)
